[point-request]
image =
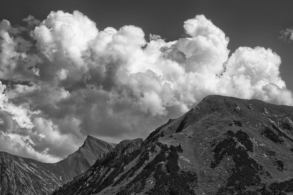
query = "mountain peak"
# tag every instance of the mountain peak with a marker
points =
(93, 147)
(91, 142)
(90, 137)
(42, 178)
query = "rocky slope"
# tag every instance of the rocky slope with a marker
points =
(23, 176)
(222, 146)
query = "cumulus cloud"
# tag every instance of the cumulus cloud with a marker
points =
(248, 70)
(286, 35)
(206, 50)
(22, 146)
(113, 83)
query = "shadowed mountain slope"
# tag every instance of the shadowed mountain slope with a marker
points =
(222, 146)
(23, 176)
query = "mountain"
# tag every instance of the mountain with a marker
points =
(23, 176)
(81, 160)
(224, 145)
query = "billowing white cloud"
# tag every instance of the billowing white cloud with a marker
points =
(114, 84)
(277, 95)
(22, 146)
(206, 50)
(8, 53)
(248, 70)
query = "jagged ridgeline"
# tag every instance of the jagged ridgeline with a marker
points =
(222, 146)
(22, 176)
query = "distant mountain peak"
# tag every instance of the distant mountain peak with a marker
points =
(89, 137)
(23, 176)
(92, 142)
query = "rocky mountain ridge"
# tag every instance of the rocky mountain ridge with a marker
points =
(223, 146)
(23, 176)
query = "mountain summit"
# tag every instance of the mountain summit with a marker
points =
(81, 160)
(23, 176)
(93, 148)
(224, 145)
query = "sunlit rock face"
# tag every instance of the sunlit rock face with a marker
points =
(23, 176)
(222, 146)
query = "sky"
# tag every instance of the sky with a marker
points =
(119, 69)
